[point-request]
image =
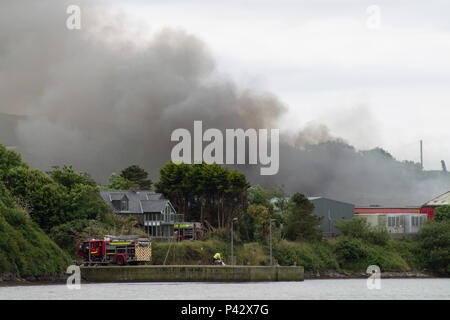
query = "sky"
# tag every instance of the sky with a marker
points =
(376, 73)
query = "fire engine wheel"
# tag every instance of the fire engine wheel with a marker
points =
(120, 261)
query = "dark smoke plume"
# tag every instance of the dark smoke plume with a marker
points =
(96, 100)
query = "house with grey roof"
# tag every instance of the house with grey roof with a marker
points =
(153, 211)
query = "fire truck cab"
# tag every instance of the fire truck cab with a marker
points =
(119, 250)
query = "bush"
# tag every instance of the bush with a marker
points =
(302, 224)
(350, 251)
(378, 236)
(359, 228)
(434, 242)
(312, 256)
(354, 254)
(25, 250)
(442, 214)
(408, 250)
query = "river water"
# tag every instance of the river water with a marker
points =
(403, 289)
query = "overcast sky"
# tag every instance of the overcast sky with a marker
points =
(327, 61)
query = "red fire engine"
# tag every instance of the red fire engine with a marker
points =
(119, 250)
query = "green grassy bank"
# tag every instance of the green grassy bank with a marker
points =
(340, 255)
(25, 250)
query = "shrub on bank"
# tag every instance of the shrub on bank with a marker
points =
(434, 241)
(312, 256)
(359, 228)
(350, 251)
(25, 250)
(355, 254)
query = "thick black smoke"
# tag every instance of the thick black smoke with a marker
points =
(98, 101)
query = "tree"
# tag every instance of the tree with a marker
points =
(137, 175)
(8, 159)
(68, 177)
(117, 182)
(52, 201)
(442, 213)
(261, 220)
(301, 223)
(205, 192)
(174, 183)
(434, 239)
(260, 196)
(46, 199)
(85, 202)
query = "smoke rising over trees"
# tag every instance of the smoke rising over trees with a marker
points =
(98, 100)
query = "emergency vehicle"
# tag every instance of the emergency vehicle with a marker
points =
(121, 250)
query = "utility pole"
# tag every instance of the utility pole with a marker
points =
(270, 239)
(232, 242)
(90, 241)
(421, 154)
(330, 223)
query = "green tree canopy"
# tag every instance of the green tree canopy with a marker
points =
(258, 195)
(61, 196)
(302, 224)
(69, 178)
(442, 213)
(138, 176)
(434, 240)
(261, 220)
(204, 192)
(117, 182)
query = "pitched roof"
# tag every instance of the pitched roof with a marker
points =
(443, 199)
(138, 201)
(116, 196)
(154, 205)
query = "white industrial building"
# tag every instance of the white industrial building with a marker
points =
(396, 220)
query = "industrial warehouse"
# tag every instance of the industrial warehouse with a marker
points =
(399, 221)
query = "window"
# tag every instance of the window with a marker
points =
(391, 221)
(395, 221)
(124, 205)
(423, 220)
(116, 204)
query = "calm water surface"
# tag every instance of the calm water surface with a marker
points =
(309, 289)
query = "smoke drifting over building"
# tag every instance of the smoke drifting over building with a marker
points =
(97, 101)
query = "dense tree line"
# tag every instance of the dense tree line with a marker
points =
(54, 198)
(204, 192)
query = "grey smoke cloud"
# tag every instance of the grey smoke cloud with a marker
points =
(97, 100)
(100, 102)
